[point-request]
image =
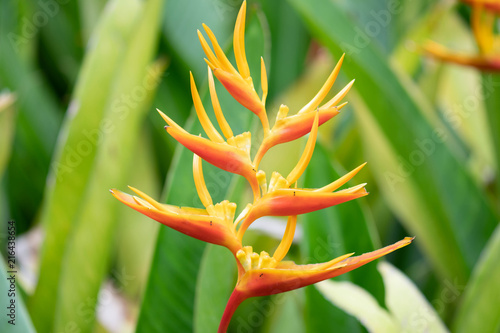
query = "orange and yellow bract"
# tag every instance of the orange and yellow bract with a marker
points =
(258, 274)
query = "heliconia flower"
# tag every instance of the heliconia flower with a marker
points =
(280, 200)
(214, 224)
(258, 274)
(237, 82)
(265, 275)
(290, 128)
(483, 17)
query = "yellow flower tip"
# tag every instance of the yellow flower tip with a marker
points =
(169, 121)
(208, 51)
(339, 96)
(220, 57)
(221, 120)
(341, 181)
(339, 107)
(261, 178)
(207, 125)
(212, 67)
(199, 182)
(333, 262)
(263, 80)
(123, 197)
(314, 103)
(239, 43)
(287, 239)
(358, 190)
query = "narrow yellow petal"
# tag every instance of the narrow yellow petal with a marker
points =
(306, 155)
(337, 98)
(339, 107)
(144, 203)
(354, 190)
(224, 126)
(261, 178)
(263, 80)
(239, 42)
(202, 114)
(313, 104)
(212, 66)
(243, 214)
(208, 51)
(287, 240)
(147, 198)
(341, 181)
(332, 262)
(199, 182)
(221, 56)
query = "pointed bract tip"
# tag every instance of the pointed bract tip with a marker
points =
(163, 115)
(111, 191)
(341, 106)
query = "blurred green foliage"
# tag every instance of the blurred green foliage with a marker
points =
(79, 84)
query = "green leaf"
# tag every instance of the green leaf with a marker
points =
(89, 10)
(361, 304)
(21, 322)
(6, 128)
(168, 301)
(85, 126)
(286, 313)
(61, 57)
(491, 84)
(217, 277)
(407, 304)
(458, 219)
(38, 116)
(87, 256)
(135, 232)
(330, 233)
(480, 306)
(408, 310)
(183, 18)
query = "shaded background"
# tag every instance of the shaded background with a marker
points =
(80, 81)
